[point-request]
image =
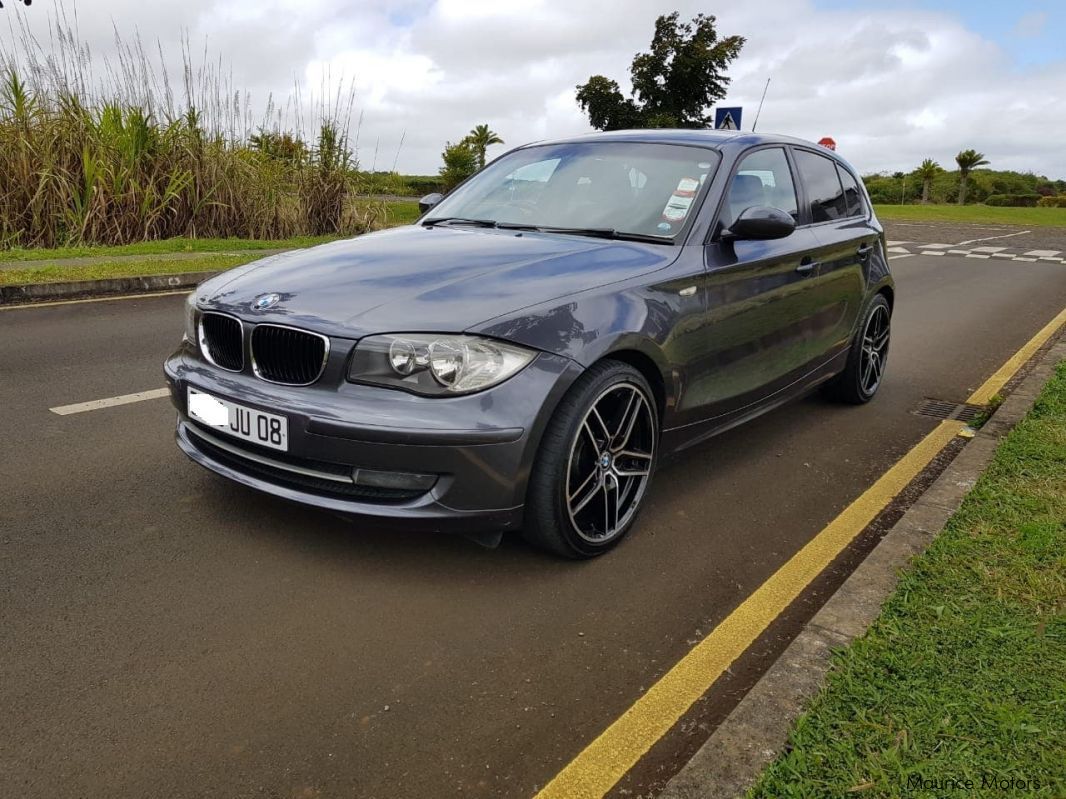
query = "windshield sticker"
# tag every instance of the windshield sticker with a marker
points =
(680, 201)
(665, 227)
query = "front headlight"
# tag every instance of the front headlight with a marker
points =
(190, 319)
(436, 365)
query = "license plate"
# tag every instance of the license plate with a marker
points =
(265, 429)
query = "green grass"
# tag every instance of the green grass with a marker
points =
(22, 275)
(973, 214)
(396, 213)
(164, 247)
(963, 674)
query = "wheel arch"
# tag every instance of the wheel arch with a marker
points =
(889, 294)
(648, 368)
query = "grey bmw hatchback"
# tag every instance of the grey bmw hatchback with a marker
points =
(527, 353)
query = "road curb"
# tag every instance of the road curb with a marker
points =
(145, 284)
(757, 729)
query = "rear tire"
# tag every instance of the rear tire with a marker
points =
(867, 357)
(595, 463)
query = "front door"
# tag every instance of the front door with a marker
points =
(760, 296)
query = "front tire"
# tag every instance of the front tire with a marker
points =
(595, 463)
(865, 369)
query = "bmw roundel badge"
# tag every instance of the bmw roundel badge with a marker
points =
(264, 301)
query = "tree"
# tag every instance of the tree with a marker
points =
(674, 83)
(967, 161)
(926, 173)
(460, 162)
(480, 138)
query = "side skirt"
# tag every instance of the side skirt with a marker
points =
(679, 439)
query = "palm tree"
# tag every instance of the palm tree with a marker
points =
(926, 172)
(967, 160)
(480, 138)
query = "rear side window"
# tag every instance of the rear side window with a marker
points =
(763, 178)
(824, 191)
(852, 195)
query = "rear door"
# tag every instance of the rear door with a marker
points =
(841, 223)
(759, 294)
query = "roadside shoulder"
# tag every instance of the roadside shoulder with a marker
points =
(757, 731)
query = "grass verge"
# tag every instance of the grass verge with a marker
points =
(22, 275)
(163, 247)
(974, 214)
(962, 677)
(398, 212)
(395, 213)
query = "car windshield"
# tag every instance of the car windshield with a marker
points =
(591, 187)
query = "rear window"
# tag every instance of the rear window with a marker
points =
(852, 195)
(824, 192)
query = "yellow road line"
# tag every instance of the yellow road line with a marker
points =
(995, 383)
(93, 299)
(617, 749)
(603, 762)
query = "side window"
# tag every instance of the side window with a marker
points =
(824, 191)
(852, 195)
(763, 178)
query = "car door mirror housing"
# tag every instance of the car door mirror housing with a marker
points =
(761, 222)
(429, 201)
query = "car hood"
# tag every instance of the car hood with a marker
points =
(416, 278)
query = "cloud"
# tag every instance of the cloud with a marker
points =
(891, 86)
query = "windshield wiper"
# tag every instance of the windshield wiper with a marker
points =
(595, 232)
(459, 220)
(606, 233)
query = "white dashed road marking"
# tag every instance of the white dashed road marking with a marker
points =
(990, 238)
(110, 402)
(984, 253)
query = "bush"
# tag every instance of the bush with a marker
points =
(1013, 200)
(1053, 202)
(419, 185)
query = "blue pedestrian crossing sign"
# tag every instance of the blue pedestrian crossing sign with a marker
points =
(727, 118)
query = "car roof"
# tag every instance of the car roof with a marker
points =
(730, 142)
(700, 136)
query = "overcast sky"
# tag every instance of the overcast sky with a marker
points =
(892, 82)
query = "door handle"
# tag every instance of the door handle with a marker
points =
(865, 250)
(806, 266)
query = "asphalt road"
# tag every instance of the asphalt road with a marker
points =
(165, 633)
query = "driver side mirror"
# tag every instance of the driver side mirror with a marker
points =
(761, 222)
(429, 201)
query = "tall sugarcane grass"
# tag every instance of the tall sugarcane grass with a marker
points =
(106, 151)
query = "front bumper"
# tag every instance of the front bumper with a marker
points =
(480, 446)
